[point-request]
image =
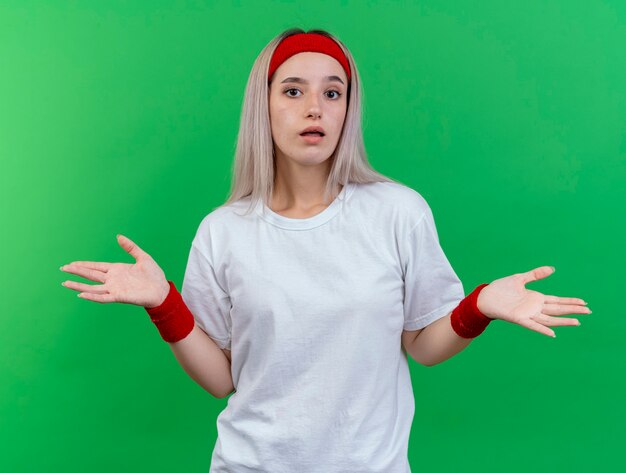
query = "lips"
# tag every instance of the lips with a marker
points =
(312, 138)
(313, 131)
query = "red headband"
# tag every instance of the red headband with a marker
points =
(302, 42)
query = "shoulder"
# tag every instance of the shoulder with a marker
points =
(224, 218)
(398, 199)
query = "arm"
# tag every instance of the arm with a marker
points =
(144, 284)
(200, 357)
(506, 299)
(205, 362)
(434, 343)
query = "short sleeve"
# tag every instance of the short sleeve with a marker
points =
(205, 298)
(431, 287)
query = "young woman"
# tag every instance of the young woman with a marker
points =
(320, 276)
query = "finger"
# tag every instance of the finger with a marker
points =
(130, 246)
(537, 327)
(101, 298)
(91, 274)
(80, 287)
(538, 273)
(555, 321)
(97, 265)
(562, 309)
(564, 300)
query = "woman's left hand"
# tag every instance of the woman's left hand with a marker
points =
(508, 299)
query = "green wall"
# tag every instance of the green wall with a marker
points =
(121, 117)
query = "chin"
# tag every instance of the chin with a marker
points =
(311, 161)
(310, 156)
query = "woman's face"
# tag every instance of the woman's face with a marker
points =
(308, 89)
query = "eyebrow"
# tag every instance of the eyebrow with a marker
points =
(303, 81)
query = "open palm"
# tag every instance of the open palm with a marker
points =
(142, 283)
(508, 299)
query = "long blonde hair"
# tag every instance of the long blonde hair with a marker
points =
(254, 165)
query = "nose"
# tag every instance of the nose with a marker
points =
(314, 106)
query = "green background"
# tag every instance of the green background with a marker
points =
(121, 117)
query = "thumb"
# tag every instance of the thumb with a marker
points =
(130, 246)
(538, 273)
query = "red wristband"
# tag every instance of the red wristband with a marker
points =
(467, 321)
(172, 318)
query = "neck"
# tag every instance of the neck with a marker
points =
(300, 188)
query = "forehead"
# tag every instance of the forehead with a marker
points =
(310, 65)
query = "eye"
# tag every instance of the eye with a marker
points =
(336, 92)
(288, 90)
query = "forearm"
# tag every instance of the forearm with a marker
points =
(197, 353)
(436, 343)
(204, 362)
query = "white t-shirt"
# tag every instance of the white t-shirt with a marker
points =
(313, 310)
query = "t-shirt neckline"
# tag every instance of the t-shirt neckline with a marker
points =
(324, 216)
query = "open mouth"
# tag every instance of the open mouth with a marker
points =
(312, 137)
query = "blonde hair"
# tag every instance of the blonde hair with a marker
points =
(254, 165)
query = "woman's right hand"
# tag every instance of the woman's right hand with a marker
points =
(142, 283)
